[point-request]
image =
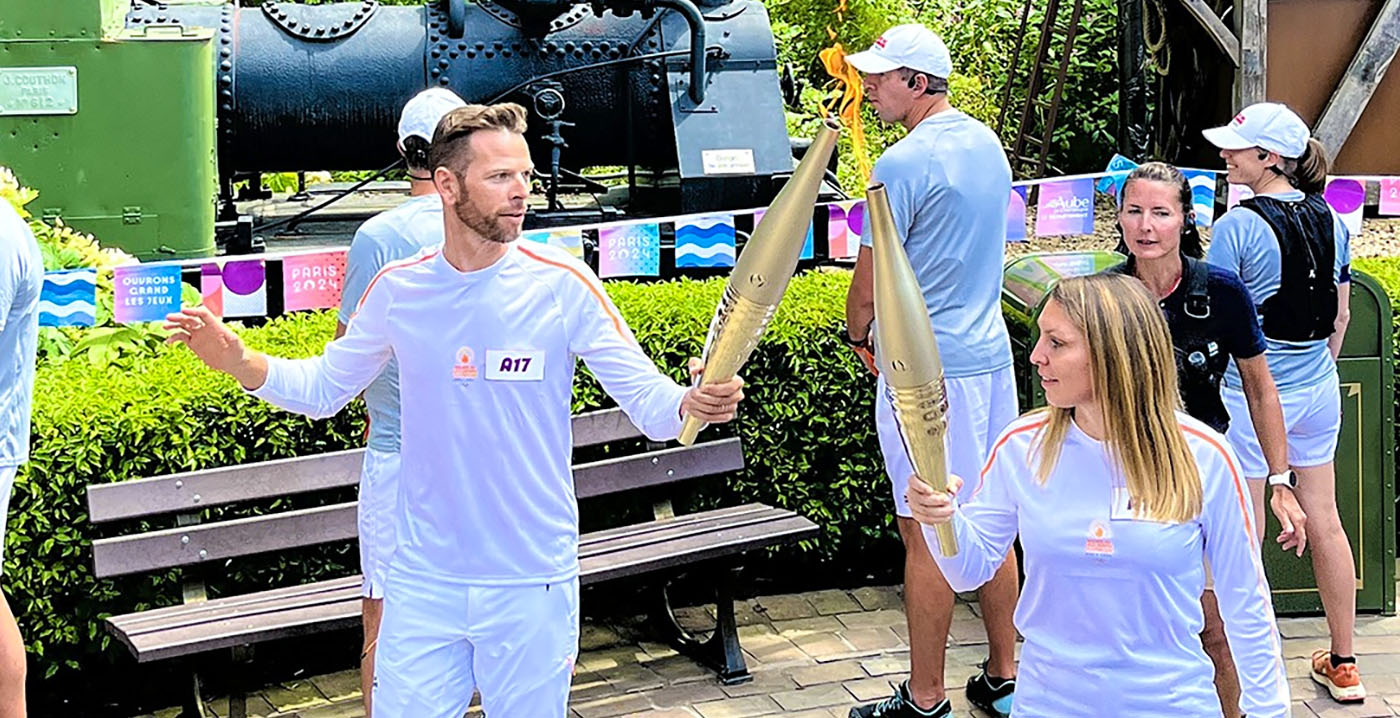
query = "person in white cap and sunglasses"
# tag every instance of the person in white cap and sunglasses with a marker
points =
(387, 237)
(1291, 250)
(948, 183)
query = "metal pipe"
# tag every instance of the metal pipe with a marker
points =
(696, 21)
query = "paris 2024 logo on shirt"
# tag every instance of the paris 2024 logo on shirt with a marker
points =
(464, 369)
(1099, 543)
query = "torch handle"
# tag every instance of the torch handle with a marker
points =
(690, 428)
(923, 423)
(947, 540)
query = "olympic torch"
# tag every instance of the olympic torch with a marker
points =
(907, 354)
(763, 271)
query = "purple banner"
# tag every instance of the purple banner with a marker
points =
(1347, 197)
(1016, 215)
(1065, 208)
(146, 293)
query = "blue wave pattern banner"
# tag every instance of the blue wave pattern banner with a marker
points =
(705, 241)
(1202, 196)
(68, 298)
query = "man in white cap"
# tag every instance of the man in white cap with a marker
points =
(387, 237)
(948, 182)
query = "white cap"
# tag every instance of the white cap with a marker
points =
(913, 46)
(1266, 125)
(421, 114)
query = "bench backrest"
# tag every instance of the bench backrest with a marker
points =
(188, 494)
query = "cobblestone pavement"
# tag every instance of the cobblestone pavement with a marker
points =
(813, 655)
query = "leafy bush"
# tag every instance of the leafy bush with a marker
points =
(65, 248)
(807, 428)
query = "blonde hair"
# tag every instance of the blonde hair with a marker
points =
(451, 148)
(1134, 380)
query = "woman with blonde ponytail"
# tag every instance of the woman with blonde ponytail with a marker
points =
(1291, 249)
(1118, 496)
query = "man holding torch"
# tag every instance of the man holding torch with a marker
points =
(948, 183)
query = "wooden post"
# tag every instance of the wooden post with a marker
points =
(1360, 80)
(1250, 85)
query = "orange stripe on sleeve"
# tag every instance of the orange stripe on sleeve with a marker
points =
(385, 270)
(992, 455)
(597, 294)
(1234, 474)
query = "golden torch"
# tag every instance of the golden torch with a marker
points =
(907, 354)
(762, 271)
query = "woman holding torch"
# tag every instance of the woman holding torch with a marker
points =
(1117, 496)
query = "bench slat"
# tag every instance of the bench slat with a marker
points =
(657, 468)
(156, 619)
(181, 546)
(666, 531)
(197, 490)
(188, 545)
(691, 549)
(300, 610)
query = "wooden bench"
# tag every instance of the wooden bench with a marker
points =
(665, 546)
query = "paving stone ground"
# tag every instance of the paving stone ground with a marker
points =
(814, 655)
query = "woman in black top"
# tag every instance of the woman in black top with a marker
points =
(1212, 320)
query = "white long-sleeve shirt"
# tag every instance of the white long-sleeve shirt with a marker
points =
(486, 364)
(1111, 609)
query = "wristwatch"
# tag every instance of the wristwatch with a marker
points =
(846, 337)
(1284, 478)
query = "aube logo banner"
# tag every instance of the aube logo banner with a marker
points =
(1065, 208)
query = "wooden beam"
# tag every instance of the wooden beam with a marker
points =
(1215, 27)
(1360, 80)
(1251, 85)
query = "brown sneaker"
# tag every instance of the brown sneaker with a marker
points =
(1343, 682)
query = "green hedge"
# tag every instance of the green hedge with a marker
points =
(807, 427)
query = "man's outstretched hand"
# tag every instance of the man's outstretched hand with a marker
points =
(712, 403)
(216, 345)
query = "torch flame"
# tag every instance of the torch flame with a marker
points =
(847, 104)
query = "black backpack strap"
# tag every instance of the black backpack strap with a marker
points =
(1196, 274)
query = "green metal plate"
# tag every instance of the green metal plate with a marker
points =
(38, 90)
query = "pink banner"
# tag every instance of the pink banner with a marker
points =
(312, 281)
(1390, 196)
(844, 225)
(1065, 208)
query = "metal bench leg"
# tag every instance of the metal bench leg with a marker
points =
(237, 696)
(721, 650)
(194, 700)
